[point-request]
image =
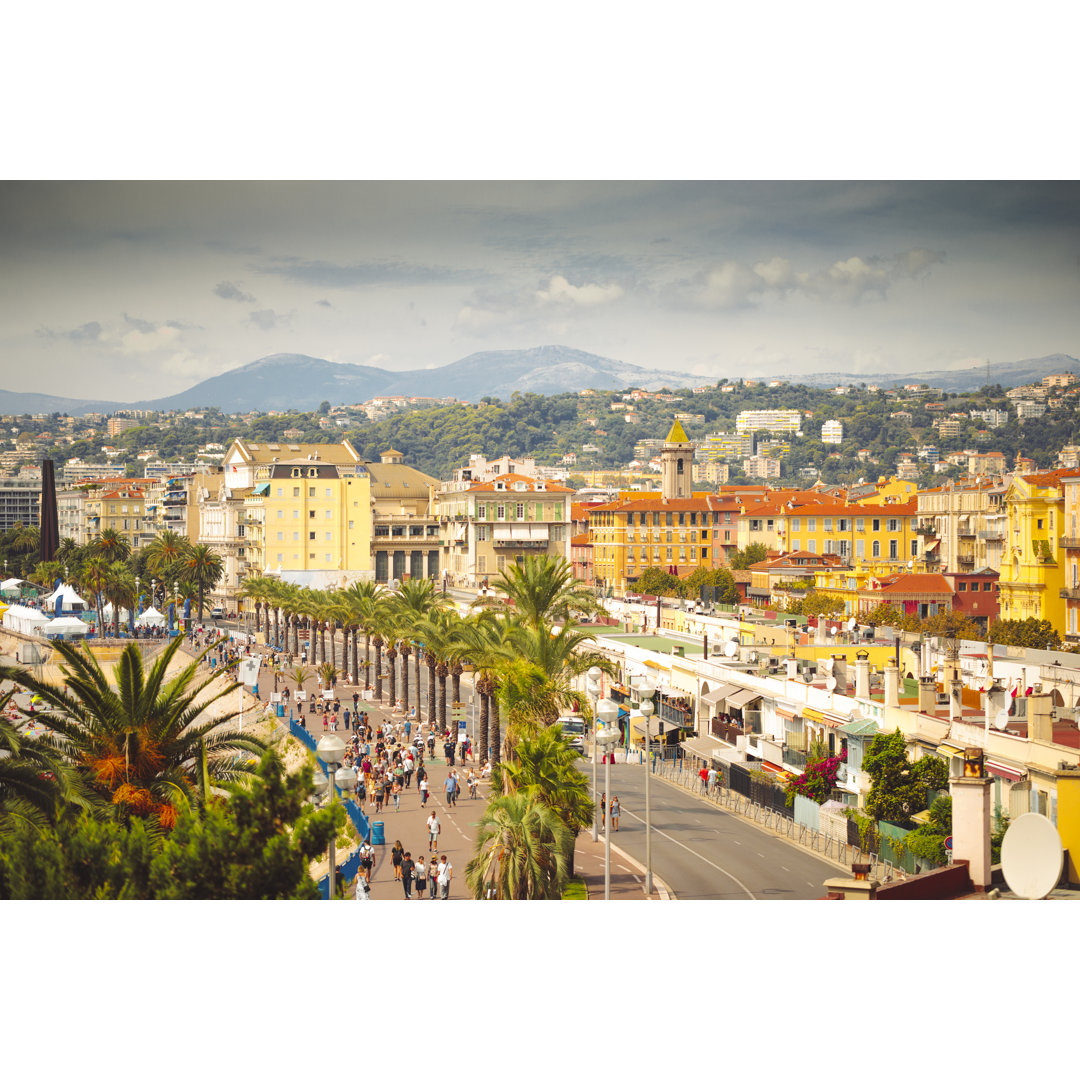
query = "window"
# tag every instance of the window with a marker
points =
(328, 559)
(668, 520)
(329, 539)
(960, 587)
(669, 556)
(311, 514)
(828, 528)
(296, 536)
(296, 490)
(796, 525)
(481, 536)
(682, 558)
(311, 536)
(727, 521)
(481, 515)
(876, 525)
(894, 525)
(860, 524)
(875, 549)
(329, 514)
(811, 546)
(280, 492)
(520, 511)
(281, 558)
(682, 521)
(704, 558)
(892, 549)
(860, 548)
(914, 552)
(1040, 525)
(311, 493)
(296, 515)
(295, 473)
(281, 536)
(281, 514)
(328, 496)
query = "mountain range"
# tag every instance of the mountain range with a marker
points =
(294, 381)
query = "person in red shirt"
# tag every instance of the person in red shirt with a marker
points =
(704, 774)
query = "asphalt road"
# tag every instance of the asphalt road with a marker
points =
(704, 853)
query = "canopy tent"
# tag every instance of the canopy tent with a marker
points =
(72, 600)
(11, 586)
(150, 617)
(23, 619)
(67, 627)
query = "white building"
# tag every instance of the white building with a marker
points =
(780, 420)
(832, 431)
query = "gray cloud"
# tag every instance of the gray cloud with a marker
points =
(326, 303)
(329, 275)
(228, 291)
(141, 325)
(267, 319)
(90, 331)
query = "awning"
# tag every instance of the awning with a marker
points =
(657, 727)
(1006, 772)
(703, 746)
(522, 531)
(949, 750)
(742, 698)
(714, 697)
(261, 489)
(818, 717)
(648, 663)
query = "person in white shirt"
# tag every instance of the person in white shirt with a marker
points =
(446, 871)
(434, 827)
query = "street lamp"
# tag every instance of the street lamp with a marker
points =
(607, 713)
(330, 751)
(593, 690)
(646, 688)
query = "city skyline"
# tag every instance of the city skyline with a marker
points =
(130, 290)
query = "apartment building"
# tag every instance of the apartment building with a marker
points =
(832, 432)
(406, 541)
(1069, 543)
(20, 501)
(486, 526)
(961, 526)
(780, 420)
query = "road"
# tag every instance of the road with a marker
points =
(704, 853)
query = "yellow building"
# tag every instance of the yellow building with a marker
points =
(1070, 550)
(1033, 564)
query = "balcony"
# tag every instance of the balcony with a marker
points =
(1069, 542)
(1070, 594)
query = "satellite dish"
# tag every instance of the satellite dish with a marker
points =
(830, 683)
(752, 657)
(850, 624)
(730, 649)
(1032, 856)
(832, 630)
(1001, 721)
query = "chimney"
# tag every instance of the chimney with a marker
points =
(927, 694)
(862, 674)
(1040, 720)
(839, 672)
(892, 685)
(792, 667)
(956, 704)
(820, 637)
(971, 818)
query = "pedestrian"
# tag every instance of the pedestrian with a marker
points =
(703, 775)
(421, 877)
(355, 701)
(450, 785)
(367, 859)
(603, 809)
(408, 728)
(448, 752)
(345, 717)
(423, 785)
(433, 879)
(615, 808)
(363, 889)
(446, 871)
(434, 827)
(472, 784)
(397, 854)
(395, 792)
(408, 870)
(711, 778)
(380, 794)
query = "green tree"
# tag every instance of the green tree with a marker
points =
(816, 604)
(543, 590)
(257, 844)
(524, 851)
(201, 568)
(899, 787)
(927, 842)
(747, 556)
(657, 582)
(1030, 633)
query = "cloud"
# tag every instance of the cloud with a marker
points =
(850, 280)
(141, 325)
(267, 319)
(90, 331)
(324, 303)
(229, 291)
(327, 275)
(560, 291)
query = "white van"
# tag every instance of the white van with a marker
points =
(217, 613)
(573, 728)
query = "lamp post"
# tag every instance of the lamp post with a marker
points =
(593, 690)
(607, 713)
(646, 688)
(330, 751)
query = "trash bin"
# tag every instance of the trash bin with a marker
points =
(280, 709)
(377, 834)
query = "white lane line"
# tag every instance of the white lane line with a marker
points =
(635, 877)
(696, 855)
(784, 868)
(626, 868)
(810, 883)
(759, 855)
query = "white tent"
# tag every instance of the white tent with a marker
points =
(25, 620)
(72, 600)
(150, 617)
(67, 626)
(11, 586)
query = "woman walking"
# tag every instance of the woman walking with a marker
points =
(421, 877)
(396, 856)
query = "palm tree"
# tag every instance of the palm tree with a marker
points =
(355, 602)
(113, 546)
(492, 650)
(144, 745)
(376, 623)
(120, 592)
(95, 579)
(524, 851)
(543, 590)
(202, 568)
(164, 552)
(46, 573)
(255, 589)
(415, 600)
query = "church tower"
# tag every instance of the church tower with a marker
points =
(677, 461)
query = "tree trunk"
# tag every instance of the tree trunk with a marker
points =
(355, 658)
(442, 697)
(455, 674)
(367, 661)
(378, 669)
(482, 748)
(418, 687)
(431, 713)
(494, 736)
(405, 650)
(391, 659)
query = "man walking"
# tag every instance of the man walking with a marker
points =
(446, 871)
(451, 788)
(407, 866)
(434, 827)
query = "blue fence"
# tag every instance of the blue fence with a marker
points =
(359, 819)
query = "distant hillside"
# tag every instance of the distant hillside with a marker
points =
(16, 404)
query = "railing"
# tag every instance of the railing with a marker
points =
(1070, 594)
(825, 844)
(1069, 542)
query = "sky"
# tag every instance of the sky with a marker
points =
(127, 290)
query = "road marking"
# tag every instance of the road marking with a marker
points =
(635, 877)
(739, 842)
(760, 856)
(696, 855)
(785, 869)
(811, 884)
